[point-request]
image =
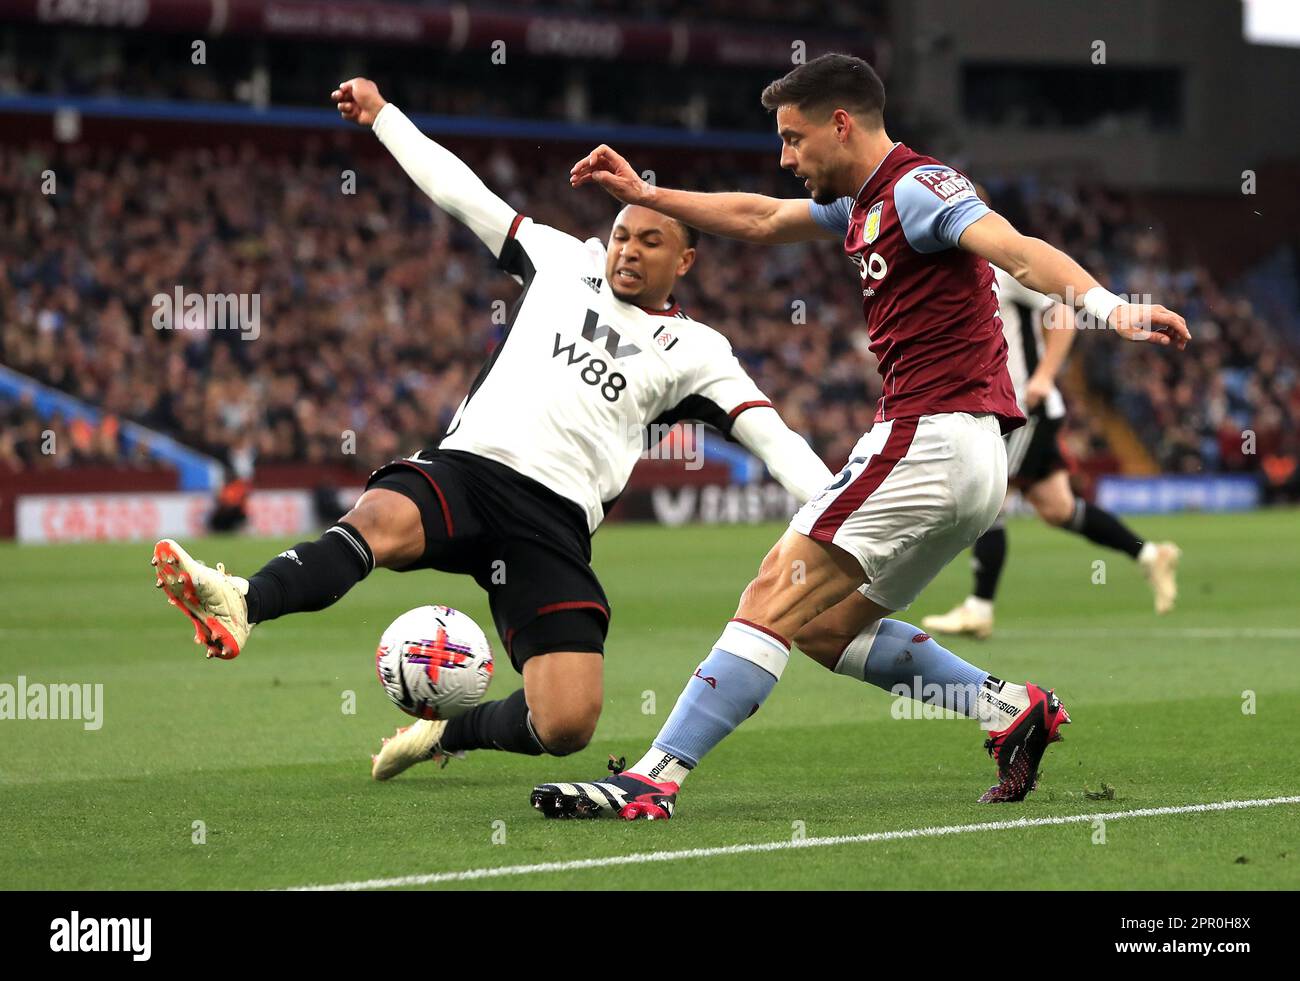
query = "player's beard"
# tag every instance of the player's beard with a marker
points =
(624, 294)
(831, 183)
(637, 297)
(825, 188)
(823, 196)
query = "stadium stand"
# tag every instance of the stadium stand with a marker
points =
(1232, 402)
(376, 312)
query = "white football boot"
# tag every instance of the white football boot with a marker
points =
(212, 599)
(409, 745)
(974, 616)
(1160, 565)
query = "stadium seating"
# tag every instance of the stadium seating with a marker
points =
(377, 313)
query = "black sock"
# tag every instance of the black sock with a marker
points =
(503, 724)
(311, 575)
(1103, 528)
(987, 559)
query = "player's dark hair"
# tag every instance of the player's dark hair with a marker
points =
(829, 82)
(692, 233)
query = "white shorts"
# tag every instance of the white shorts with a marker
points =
(914, 494)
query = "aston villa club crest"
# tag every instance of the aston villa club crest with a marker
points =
(871, 230)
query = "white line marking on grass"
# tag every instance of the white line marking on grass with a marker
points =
(470, 875)
(1192, 633)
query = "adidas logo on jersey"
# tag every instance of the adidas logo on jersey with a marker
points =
(592, 281)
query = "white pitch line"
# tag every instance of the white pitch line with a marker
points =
(470, 875)
(1192, 633)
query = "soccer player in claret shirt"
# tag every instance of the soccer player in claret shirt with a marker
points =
(596, 352)
(927, 479)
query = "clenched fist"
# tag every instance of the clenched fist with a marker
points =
(358, 100)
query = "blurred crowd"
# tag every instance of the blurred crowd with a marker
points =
(376, 311)
(29, 441)
(1231, 401)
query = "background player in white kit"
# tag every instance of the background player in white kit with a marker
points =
(1039, 334)
(595, 352)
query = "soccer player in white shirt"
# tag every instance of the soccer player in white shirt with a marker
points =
(596, 353)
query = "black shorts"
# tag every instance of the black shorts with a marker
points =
(1034, 450)
(527, 546)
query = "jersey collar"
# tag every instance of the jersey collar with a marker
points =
(669, 311)
(866, 183)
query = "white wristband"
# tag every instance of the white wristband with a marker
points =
(1101, 302)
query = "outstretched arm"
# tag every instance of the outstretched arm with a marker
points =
(789, 459)
(438, 172)
(1044, 268)
(1058, 337)
(733, 214)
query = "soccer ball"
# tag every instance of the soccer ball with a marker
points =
(434, 662)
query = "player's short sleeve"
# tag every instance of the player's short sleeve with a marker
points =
(833, 217)
(717, 390)
(935, 204)
(531, 247)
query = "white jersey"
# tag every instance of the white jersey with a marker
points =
(567, 395)
(1021, 311)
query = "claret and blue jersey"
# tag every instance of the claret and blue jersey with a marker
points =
(930, 307)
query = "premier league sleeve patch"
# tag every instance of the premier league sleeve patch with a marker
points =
(934, 206)
(946, 184)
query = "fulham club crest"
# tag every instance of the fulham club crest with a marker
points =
(664, 338)
(871, 230)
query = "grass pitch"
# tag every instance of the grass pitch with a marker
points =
(253, 774)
